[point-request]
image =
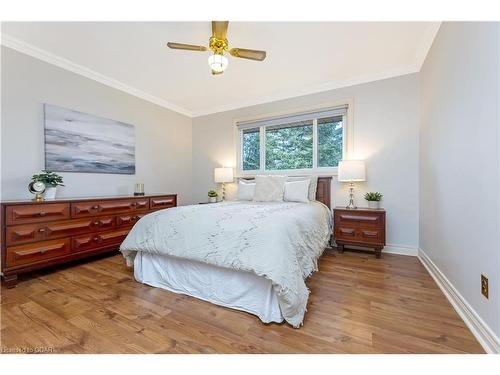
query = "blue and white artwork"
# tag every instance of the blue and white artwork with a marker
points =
(79, 142)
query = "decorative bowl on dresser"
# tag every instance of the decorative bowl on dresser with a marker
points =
(36, 235)
(364, 227)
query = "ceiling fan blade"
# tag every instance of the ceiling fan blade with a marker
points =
(219, 29)
(251, 54)
(189, 47)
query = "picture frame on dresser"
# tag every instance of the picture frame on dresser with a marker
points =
(36, 235)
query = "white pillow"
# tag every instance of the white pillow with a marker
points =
(297, 191)
(313, 185)
(246, 190)
(269, 188)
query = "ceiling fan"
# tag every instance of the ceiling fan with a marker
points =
(219, 45)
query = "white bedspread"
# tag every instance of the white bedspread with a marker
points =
(279, 241)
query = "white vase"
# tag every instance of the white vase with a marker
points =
(212, 199)
(50, 192)
(374, 204)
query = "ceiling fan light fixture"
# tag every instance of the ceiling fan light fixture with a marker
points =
(218, 63)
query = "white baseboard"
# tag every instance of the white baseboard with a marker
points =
(483, 333)
(392, 249)
(401, 250)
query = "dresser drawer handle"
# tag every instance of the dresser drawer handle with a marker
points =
(42, 213)
(43, 251)
(42, 230)
(96, 222)
(96, 207)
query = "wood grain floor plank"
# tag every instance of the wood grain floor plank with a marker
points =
(358, 304)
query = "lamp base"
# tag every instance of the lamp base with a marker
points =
(351, 205)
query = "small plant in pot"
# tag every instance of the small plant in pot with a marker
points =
(51, 180)
(373, 199)
(212, 196)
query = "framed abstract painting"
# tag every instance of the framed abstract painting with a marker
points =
(81, 142)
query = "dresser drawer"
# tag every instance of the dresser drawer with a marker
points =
(162, 202)
(34, 213)
(128, 220)
(359, 219)
(98, 240)
(31, 253)
(91, 208)
(19, 234)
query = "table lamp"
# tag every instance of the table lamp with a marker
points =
(352, 171)
(223, 175)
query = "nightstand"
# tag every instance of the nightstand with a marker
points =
(364, 227)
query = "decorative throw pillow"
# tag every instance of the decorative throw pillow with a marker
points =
(297, 191)
(246, 190)
(269, 188)
(313, 185)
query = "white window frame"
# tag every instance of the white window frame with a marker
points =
(347, 142)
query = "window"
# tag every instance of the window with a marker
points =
(251, 149)
(289, 146)
(306, 141)
(330, 141)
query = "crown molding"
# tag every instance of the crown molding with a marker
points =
(314, 89)
(41, 54)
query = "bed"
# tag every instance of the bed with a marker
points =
(249, 256)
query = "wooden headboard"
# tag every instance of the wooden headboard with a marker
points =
(323, 192)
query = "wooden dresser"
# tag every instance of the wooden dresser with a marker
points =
(362, 227)
(36, 235)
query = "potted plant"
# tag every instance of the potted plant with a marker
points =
(373, 199)
(51, 181)
(212, 196)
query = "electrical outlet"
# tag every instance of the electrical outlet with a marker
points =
(484, 286)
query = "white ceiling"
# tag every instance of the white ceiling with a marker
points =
(302, 57)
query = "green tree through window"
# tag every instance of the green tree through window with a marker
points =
(251, 149)
(289, 147)
(330, 143)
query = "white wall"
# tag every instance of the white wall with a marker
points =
(459, 161)
(163, 137)
(386, 118)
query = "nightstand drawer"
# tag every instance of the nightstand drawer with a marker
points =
(345, 233)
(359, 235)
(369, 235)
(361, 218)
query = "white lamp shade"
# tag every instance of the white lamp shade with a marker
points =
(352, 170)
(223, 174)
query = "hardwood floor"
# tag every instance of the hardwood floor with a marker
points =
(358, 304)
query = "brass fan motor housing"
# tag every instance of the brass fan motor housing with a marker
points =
(218, 46)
